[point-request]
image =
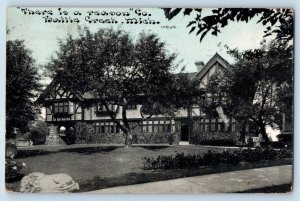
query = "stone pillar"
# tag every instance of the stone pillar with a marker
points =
(53, 137)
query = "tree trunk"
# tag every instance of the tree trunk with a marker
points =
(243, 131)
(263, 131)
(128, 138)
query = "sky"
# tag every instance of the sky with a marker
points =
(42, 38)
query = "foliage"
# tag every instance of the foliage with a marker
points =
(212, 158)
(214, 138)
(84, 133)
(13, 170)
(39, 132)
(250, 91)
(22, 83)
(279, 22)
(154, 138)
(120, 71)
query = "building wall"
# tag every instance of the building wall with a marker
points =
(216, 68)
(158, 129)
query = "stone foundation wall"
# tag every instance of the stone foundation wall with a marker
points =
(53, 137)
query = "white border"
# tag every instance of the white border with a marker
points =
(148, 3)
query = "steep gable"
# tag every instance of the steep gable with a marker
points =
(214, 65)
(57, 90)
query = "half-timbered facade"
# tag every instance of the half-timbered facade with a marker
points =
(64, 108)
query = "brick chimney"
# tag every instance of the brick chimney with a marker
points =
(199, 65)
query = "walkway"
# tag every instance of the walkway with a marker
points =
(215, 183)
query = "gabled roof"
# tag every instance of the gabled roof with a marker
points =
(189, 75)
(57, 79)
(88, 95)
(210, 63)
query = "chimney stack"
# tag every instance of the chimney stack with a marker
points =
(199, 65)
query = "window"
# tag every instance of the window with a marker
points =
(117, 129)
(62, 107)
(131, 106)
(106, 127)
(101, 108)
(71, 108)
(168, 128)
(102, 129)
(48, 110)
(144, 130)
(150, 128)
(155, 126)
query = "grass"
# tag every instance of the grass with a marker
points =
(103, 165)
(107, 166)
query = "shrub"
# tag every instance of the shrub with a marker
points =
(214, 138)
(38, 132)
(84, 133)
(212, 158)
(153, 138)
(13, 170)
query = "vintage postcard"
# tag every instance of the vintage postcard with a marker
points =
(149, 100)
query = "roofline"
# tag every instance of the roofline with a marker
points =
(210, 63)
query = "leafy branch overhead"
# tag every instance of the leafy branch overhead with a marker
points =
(277, 21)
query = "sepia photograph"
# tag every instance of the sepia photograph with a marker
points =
(149, 100)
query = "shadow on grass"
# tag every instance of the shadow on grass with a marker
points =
(154, 147)
(32, 153)
(89, 150)
(80, 150)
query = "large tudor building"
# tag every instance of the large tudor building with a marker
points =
(65, 108)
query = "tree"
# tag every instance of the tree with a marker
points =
(257, 89)
(220, 17)
(22, 83)
(120, 72)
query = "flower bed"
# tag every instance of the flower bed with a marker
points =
(13, 170)
(212, 158)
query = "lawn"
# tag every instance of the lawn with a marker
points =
(95, 164)
(106, 166)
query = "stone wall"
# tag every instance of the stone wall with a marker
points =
(53, 137)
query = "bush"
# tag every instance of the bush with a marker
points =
(154, 138)
(214, 138)
(84, 133)
(38, 132)
(212, 158)
(13, 170)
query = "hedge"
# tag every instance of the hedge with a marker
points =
(212, 158)
(214, 138)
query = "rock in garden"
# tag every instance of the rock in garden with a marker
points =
(38, 182)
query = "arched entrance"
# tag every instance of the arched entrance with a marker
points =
(71, 135)
(67, 133)
(62, 131)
